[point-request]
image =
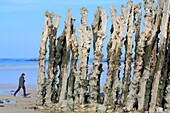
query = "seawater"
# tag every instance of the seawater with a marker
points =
(11, 69)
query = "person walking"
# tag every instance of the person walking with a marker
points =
(21, 85)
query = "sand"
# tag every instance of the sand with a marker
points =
(17, 104)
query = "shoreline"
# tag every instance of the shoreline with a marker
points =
(17, 104)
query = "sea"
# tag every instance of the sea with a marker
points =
(11, 69)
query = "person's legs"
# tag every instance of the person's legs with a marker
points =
(17, 91)
(24, 90)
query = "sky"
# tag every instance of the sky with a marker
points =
(22, 21)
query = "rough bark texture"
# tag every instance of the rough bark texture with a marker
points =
(99, 28)
(161, 57)
(167, 82)
(164, 73)
(150, 40)
(151, 51)
(73, 66)
(84, 49)
(132, 96)
(110, 50)
(65, 58)
(42, 61)
(138, 16)
(112, 85)
(51, 80)
(59, 54)
(128, 56)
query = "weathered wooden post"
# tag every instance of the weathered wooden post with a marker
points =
(151, 54)
(128, 50)
(161, 57)
(74, 58)
(99, 29)
(65, 58)
(60, 47)
(51, 80)
(84, 49)
(42, 61)
(167, 82)
(150, 40)
(132, 96)
(111, 48)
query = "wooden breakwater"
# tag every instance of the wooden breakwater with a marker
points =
(149, 89)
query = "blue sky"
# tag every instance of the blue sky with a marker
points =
(22, 21)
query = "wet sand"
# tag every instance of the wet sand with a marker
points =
(17, 104)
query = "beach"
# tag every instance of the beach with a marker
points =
(10, 71)
(17, 104)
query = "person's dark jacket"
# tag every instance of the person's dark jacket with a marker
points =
(21, 81)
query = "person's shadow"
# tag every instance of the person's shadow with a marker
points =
(27, 94)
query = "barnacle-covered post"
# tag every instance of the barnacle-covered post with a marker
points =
(51, 80)
(167, 82)
(139, 54)
(128, 50)
(151, 53)
(99, 29)
(84, 49)
(150, 57)
(167, 90)
(150, 40)
(42, 61)
(118, 29)
(65, 58)
(60, 49)
(74, 58)
(111, 48)
(161, 57)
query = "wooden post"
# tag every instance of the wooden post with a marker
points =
(51, 80)
(132, 96)
(99, 28)
(150, 41)
(151, 54)
(74, 58)
(42, 61)
(65, 58)
(128, 56)
(167, 82)
(161, 57)
(84, 49)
